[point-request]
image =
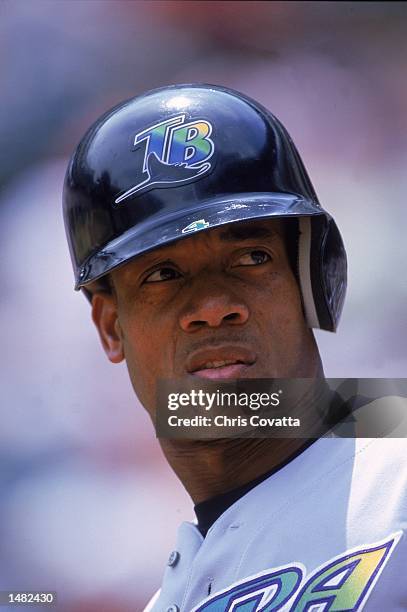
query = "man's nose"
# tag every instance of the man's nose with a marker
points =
(213, 309)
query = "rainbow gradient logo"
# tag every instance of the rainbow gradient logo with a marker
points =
(343, 584)
(175, 152)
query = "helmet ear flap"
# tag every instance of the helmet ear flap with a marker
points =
(333, 272)
(322, 271)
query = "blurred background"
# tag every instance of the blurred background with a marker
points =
(88, 506)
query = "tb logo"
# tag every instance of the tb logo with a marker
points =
(175, 152)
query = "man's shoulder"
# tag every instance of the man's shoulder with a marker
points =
(381, 418)
(152, 602)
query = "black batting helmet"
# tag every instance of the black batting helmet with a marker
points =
(187, 158)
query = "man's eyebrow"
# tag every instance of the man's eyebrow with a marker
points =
(245, 232)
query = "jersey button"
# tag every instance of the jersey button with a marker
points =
(173, 608)
(173, 560)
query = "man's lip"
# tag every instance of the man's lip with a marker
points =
(199, 360)
(237, 370)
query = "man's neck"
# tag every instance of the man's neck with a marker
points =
(212, 467)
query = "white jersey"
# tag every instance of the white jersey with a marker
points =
(325, 532)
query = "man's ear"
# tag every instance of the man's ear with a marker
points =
(105, 317)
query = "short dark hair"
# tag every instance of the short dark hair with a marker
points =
(291, 239)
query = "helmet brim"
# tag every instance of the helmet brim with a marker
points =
(160, 230)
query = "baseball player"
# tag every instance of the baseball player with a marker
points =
(198, 238)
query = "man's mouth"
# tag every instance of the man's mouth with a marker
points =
(221, 363)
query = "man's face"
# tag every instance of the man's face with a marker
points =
(220, 304)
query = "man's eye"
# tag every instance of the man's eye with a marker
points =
(163, 274)
(254, 258)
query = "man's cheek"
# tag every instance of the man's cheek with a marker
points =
(144, 357)
(139, 356)
(143, 380)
